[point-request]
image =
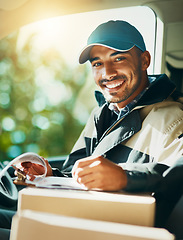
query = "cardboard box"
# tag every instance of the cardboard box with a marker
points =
(31, 225)
(113, 207)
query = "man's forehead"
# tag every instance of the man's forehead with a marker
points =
(98, 51)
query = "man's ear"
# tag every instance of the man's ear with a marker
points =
(145, 60)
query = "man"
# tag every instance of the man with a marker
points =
(136, 132)
(135, 135)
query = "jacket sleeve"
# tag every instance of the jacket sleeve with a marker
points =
(66, 170)
(164, 143)
(81, 147)
(143, 177)
(72, 158)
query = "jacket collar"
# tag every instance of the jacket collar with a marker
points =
(160, 89)
(119, 132)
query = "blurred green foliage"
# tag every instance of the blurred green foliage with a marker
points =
(39, 105)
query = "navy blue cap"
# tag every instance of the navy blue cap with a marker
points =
(118, 35)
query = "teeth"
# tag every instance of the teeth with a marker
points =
(113, 85)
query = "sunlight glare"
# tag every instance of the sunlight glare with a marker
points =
(68, 34)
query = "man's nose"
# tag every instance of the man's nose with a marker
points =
(108, 72)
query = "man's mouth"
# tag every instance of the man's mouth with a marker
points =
(113, 85)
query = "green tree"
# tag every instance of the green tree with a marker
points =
(38, 94)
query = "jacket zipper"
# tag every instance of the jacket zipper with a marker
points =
(110, 129)
(115, 124)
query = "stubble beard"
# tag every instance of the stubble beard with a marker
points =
(127, 92)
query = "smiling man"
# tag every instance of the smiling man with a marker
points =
(136, 132)
(134, 139)
(120, 75)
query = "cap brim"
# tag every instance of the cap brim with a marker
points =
(85, 54)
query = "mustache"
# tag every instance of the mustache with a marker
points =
(105, 80)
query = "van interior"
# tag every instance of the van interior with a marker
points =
(161, 22)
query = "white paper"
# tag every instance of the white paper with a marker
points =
(57, 182)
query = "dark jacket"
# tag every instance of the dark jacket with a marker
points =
(145, 142)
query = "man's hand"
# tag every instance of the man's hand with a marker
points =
(32, 169)
(99, 173)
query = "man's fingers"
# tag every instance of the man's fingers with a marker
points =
(89, 169)
(83, 163)
(49, 169)
(81, 172)
(101, 174)
(38, 169)
(33, 168)
(91, 182)
(26, 164)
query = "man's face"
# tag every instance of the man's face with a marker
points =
(120, 75)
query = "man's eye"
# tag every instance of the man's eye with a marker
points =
(97, 64)
(118, 59)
